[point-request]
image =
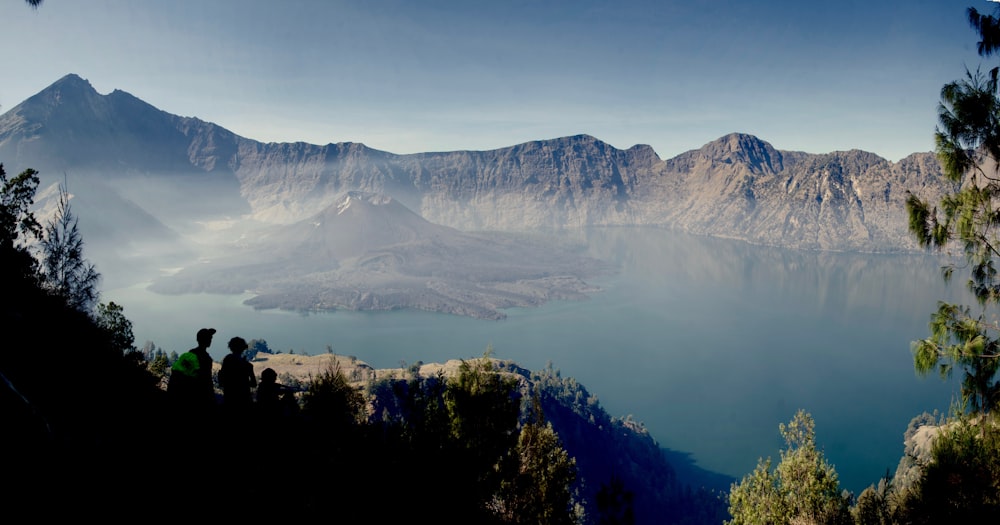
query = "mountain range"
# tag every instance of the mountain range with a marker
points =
(738, 186)
(147, 183)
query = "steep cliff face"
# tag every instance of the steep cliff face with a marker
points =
(562, 183)
(737, 186)
(287, 182)
(741, 187)
(568, 182)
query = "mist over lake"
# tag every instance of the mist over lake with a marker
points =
(711, 343)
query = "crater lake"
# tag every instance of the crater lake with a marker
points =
(710, 343)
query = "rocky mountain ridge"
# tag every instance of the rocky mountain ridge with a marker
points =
(738, 186)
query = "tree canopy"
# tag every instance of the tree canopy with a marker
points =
(967, 219)
(802, 488)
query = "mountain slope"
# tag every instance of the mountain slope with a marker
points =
(355, 224)
(69, 126)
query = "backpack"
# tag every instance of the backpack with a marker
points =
(187, 365)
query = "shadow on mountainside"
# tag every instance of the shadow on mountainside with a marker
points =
(693, 475)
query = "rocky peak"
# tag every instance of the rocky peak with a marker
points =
(70, 90)
(72, 102)
(354, 223)
(741, 148)
(71, 83)
(361, 198)
(83, 130)
(643, 153)
(369, 212)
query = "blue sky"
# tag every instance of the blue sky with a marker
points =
(436, 75)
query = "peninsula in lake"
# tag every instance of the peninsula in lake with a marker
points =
(366, 251)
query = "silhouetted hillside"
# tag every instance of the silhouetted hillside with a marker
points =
(82, 422)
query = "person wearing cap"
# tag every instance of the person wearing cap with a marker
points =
(190, 383)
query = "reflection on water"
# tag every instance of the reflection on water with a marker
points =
(712, 343)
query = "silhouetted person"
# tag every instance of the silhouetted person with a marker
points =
(273, 398)
(237, 379)
(268, 393)
(276, 408)
(191, 373)
(190, 388)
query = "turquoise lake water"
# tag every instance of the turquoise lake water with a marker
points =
(710, 343)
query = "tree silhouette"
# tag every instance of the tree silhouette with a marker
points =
(333, 403)
(111, 317)
(66, 272)
(18, 226)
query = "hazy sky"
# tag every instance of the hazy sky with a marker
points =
(434, 75)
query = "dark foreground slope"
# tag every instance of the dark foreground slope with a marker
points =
(88, 428)
(120, 459)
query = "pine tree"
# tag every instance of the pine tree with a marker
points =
(65, 271)
(18, 226)
(111, 318)
(539, 491)
(968, 217)
(483, 407)
(802, 488)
